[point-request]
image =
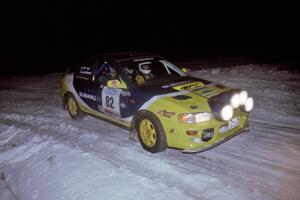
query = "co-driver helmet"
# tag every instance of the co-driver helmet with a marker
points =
(145, 67)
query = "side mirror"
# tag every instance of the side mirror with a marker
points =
(116, 84)
(186, 70)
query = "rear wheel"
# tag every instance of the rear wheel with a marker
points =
(151, 133)
(73, 108)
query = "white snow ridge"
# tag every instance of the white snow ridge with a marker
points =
(46, 155)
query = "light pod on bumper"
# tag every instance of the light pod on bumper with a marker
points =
(243, 95)
(226, 112)
(235, 100)
(249, 104)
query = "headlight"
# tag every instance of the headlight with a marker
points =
(243, 97)
(235, 100)
(249, 104)
(190, 118)
(227, 112)
(202, 117)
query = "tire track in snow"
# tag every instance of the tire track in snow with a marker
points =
(108, 148)
(237, 163)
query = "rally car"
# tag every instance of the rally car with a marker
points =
(166, 106)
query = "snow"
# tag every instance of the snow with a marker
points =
(46, 155)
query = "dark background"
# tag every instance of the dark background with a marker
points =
(46, 37)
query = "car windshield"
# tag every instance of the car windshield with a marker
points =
(151, 71)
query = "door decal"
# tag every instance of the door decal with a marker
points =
(111, 101)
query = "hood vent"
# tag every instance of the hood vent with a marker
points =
(220, 86)
(182, 97)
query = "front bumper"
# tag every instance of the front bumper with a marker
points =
(216, 143)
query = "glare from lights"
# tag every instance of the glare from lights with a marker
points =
(227, 112)
(235, 100)
(249, 104)
(243, 97)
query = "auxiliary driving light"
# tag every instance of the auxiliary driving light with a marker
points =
(249, 104)
(243, 97)
(235, 100)
(227, 112)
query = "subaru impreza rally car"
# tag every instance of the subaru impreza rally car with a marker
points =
(169, 109)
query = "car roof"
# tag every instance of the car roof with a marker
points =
(125, 55)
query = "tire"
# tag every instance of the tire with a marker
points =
(73, 108)
(150, 132)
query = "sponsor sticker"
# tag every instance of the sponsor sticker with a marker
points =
(125, 93)
(110, 101)
(233, 123)
(208, 93)
(87, 96)
(174, 84)
(207, 135)
(123, 105)
(85, 70)
(114, 83)
(166, 113)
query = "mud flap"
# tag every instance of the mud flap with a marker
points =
(133, 135)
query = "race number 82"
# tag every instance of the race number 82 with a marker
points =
(109, 102)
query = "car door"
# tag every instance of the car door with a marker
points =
(107, 97)
(111, 101)
(81, 82)
(112, 97)
(95, 86)
(98, 96)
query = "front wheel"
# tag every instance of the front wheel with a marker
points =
(151, 133)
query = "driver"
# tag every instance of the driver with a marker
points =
(128, 72)
(143, 73)
(112, 75)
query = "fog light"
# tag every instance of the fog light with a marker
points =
(196, 140)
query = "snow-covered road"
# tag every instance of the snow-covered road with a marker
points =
(46, 155)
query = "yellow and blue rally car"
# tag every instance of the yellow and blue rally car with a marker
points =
(166, 106)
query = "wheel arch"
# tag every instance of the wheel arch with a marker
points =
(136, 116)
(136, 119)
(68, 93)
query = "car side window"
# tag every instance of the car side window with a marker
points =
(104, 71)
(85, 69)
(98, 69)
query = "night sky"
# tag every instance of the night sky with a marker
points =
(48, 37)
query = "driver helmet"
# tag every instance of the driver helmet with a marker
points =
(145, 67)
(112, 71)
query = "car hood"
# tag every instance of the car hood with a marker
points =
(191, 95)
